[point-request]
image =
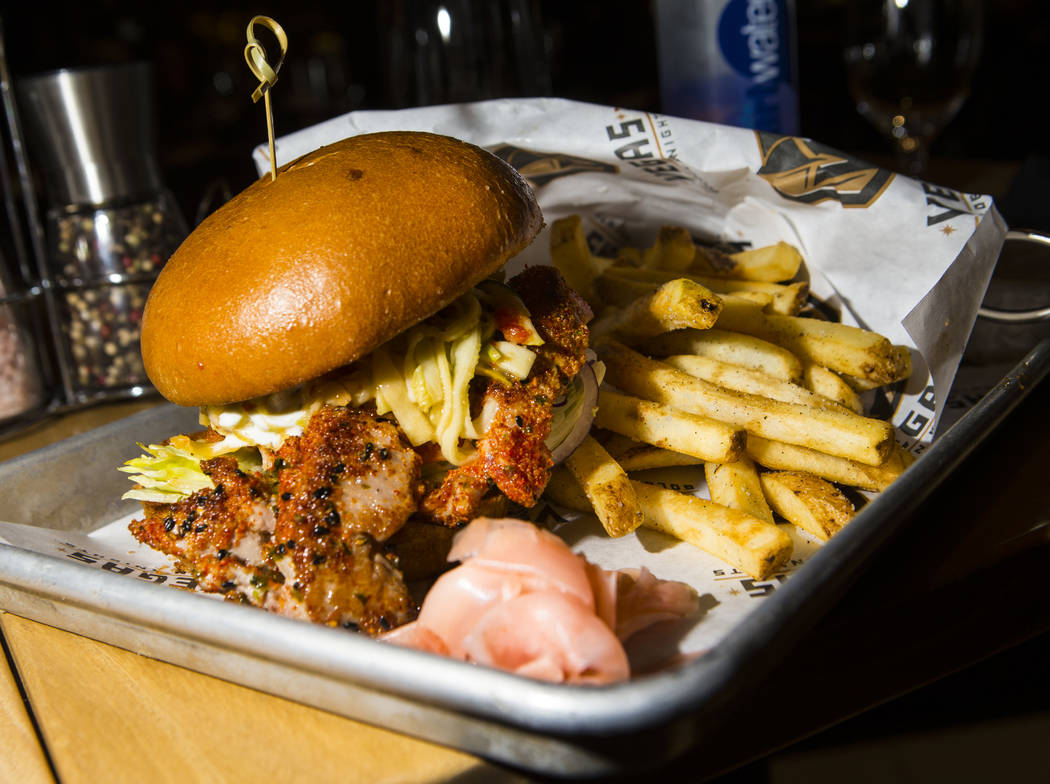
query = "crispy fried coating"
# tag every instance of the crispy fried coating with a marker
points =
(512, 456)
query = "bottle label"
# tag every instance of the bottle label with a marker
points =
(731, 62)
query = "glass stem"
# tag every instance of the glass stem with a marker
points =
(912, 154)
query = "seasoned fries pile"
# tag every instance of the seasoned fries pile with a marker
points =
(709, 361)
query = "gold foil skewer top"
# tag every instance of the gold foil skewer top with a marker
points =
(255, 55)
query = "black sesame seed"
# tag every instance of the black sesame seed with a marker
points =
(229, 585)
(384, 453)
(323, 492)
(351, 626)
(279, 464)
(338, 468)
(278, 550)
(318, 559)
(369, 448)
(290, 544)
(384, 622)
(201, 528)
(191, 516)
(332, 518)
(169, 523)
(185, 527)
(286, 496)
(222, 554)
(220, 490)
(519, 421)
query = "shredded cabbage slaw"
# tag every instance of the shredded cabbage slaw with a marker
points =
(422, 378)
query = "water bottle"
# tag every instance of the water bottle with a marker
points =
(729, 61)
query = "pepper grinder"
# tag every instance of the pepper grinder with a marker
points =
(111, 223)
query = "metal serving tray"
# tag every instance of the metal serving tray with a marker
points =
(553, 729)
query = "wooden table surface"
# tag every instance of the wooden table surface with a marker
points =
(75, 710)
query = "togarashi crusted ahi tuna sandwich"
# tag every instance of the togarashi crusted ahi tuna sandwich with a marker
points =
(361, 373)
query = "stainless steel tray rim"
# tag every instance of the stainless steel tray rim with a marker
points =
(497, 695)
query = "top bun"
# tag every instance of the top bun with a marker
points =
(349, 246)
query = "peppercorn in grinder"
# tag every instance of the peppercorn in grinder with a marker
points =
(110, 224)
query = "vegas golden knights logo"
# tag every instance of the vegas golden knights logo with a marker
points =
(539, 168)
(802, 170)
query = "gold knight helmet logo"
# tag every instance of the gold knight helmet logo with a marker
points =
(805, 171)
(539, 168)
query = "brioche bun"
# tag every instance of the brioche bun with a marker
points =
(348, 247)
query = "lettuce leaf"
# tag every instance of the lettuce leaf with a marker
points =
(170, 472)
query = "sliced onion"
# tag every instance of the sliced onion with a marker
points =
(582, 426)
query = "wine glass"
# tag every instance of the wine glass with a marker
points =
(909, 64)
(457, 51)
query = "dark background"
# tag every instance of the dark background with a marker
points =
(597, 51)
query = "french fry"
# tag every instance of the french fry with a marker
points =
(673, 250)
(809, 502)
(626, 292)
(606, 486)
(732, 347)
(752, 545)
(636, 456)
(867, 384)
(563, 489)
(756, 547)
(830, 385)
(840, 347)
(674, 305)
(779, 456)
(750, 381)
(737, 486)
(860, 384)
(742, 305)
(836, 432)
(765, 399)
(755, 299)
(619, 290)
(614, 443)
(787, 298)
(666, 427)
(627, 258)
(770, 263)
(642, 457)
(573, 258)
